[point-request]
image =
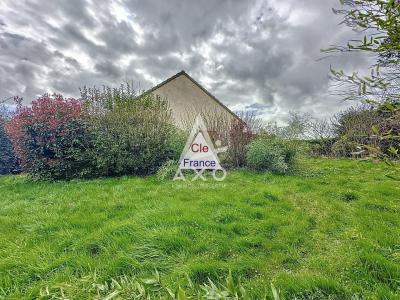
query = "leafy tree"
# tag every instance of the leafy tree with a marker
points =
(379, 23)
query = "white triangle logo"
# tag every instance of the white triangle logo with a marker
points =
(199, 152)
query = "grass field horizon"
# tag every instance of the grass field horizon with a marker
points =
(331, 232)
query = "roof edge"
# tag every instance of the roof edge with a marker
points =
(198, 85)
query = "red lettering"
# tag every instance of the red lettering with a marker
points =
(199, 148)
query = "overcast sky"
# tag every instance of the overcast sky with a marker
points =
(259, 55)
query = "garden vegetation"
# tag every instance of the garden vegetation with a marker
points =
(327, 230)
(98, 135)
(115, 132)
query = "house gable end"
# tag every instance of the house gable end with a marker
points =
(184, 92)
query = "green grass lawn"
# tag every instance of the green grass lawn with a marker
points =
(330, 233)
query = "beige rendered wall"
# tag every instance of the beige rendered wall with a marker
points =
(186, 100)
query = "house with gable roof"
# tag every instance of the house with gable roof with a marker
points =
(187, 98)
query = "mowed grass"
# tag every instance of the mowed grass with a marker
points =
(331, 232)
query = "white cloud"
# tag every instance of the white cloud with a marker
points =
(247, 55)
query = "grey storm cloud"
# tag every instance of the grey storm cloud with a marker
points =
(259, 54)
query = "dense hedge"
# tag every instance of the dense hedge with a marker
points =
(134, 137)
(59, 138)
(370, 127)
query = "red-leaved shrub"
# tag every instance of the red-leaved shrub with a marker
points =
(50, 138)
(240, 135)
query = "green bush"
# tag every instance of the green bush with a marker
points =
(133, 137)
(176, 143)
(271, 154)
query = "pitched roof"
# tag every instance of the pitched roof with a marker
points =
(198, 85)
